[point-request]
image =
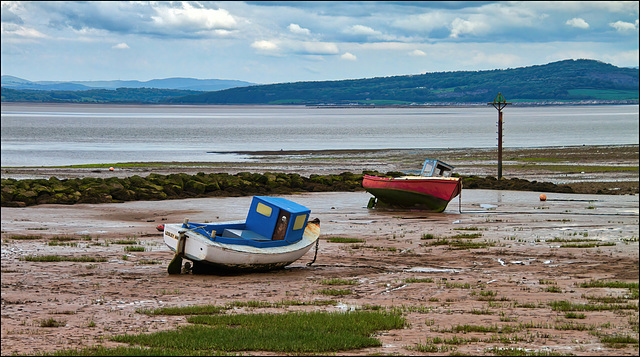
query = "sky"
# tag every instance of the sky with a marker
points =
(290, 41)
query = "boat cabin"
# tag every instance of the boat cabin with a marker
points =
(434, 167)
(271, 222)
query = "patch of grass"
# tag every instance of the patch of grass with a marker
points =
(296, 332)
(65, 244)
(609, 284)
(57, 258)
(63, 238)
(571, 240)
(125, 241)
(569, 306)
(553, 289)
(570, 326)
(25, 237)
(418, 280)
(618, 341)
(460, 244)
(338, 281)
(483, 329)
(588, 245)
(51, 322)
(468, 235)
(573, 315)
(134, 249)
(575, 168)
(344, 240)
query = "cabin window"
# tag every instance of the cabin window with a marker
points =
(263, 209)
(299, 223)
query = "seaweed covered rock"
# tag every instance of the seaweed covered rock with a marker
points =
(21, 193)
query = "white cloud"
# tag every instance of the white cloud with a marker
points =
(362, 30)
(264, 45)
(578, 23)
(463, 27)
(189, 17)
(349, 57)
(20, 32)
(417, 53)
(296, 29)
(316, 48)
(121, 46)
(622, 26)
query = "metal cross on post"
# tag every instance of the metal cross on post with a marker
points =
(499, 103)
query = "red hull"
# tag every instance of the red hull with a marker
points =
(431, 192)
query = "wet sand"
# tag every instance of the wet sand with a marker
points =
(516, 268)
(518, 265)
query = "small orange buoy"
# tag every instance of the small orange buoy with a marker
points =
(160, 228)
(543, 197)
(111, 168)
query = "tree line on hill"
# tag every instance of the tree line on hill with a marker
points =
(564, 81)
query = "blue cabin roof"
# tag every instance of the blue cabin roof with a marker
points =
(433, 167)
(283, 203)
(271, 222)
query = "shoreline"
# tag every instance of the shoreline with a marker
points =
(588, 169)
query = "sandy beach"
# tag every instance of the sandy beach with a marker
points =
(529, 254)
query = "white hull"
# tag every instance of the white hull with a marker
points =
(198, 248)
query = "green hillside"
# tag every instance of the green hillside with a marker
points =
(119, 95)
(568, 81)
(564, 81)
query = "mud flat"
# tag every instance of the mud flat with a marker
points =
(517, 259)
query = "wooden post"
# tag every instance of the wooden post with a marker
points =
(499, 103)
(499, 144)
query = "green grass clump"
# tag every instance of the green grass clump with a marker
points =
(25, 237)
(618, 341)
(334, 292)
(468, 235)
(458, 244)
(125, 241)
(338, 281)
(132, 248)
(57, 258)
(609, 284)
(309, 332)
(569, 306)
(344, 240)
(51, 322)
(418, 280)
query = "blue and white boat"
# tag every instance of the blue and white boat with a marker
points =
(276, 233)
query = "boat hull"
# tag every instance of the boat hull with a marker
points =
(429, 193)
(201, 250)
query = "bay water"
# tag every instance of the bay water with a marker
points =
(70, 134)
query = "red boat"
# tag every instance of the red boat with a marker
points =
(432, 190)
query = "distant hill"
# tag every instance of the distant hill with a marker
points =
(563, 81)
(568, 81)
(167, 83)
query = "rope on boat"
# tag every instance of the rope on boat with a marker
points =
(315, 221)
(316, 254)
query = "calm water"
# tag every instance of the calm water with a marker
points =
(48, 135)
